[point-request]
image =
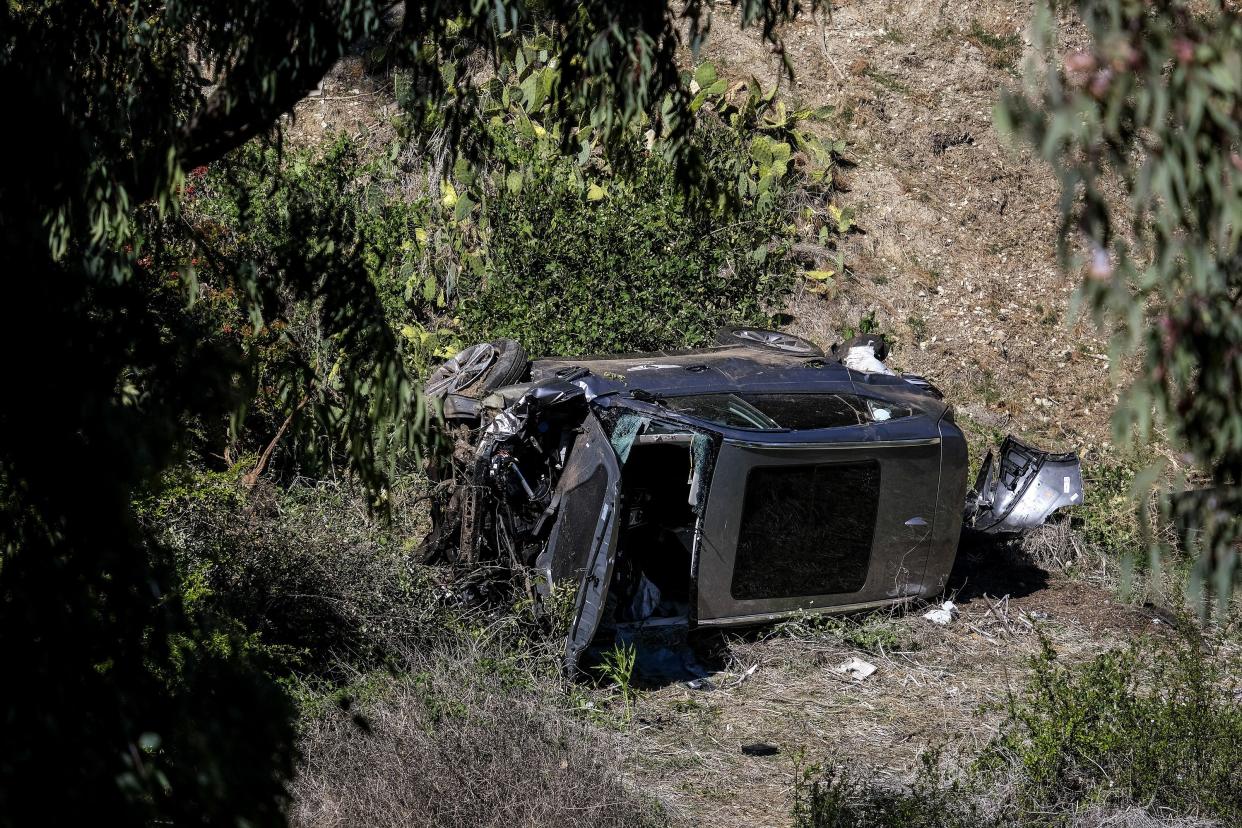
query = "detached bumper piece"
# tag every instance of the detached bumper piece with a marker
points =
(1022, 489)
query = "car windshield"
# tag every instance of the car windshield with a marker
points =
(784, 412)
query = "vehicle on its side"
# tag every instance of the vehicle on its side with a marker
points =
(735, 484)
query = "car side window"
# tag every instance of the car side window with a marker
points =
(881, 411)
(806, 530)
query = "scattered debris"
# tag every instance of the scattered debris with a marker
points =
(1022, 489)
(942, 614)
(863, 358)
(760, 749)
(747, 673)
(857, 668)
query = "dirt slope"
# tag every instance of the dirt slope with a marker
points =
(957, 250)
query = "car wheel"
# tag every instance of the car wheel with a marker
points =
(478, 370)
(768, 340)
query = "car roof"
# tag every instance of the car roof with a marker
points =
(729, 369)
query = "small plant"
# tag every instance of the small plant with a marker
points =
(866, 325)
(875, 633)
(617, 667)
(889, 81)
(918, 327)
(830, 796)
(1002, 51)
(987, 388)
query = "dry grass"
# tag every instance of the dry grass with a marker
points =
(465, 736)
(934, 687)
(1135, 817)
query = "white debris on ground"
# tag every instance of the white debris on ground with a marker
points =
(857, 668)
(942, 614)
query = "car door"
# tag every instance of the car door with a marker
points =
(833, 518)
(581, 548)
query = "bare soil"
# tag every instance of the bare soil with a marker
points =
(956, 247)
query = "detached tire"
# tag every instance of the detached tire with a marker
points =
(767, 340)
(478, 370)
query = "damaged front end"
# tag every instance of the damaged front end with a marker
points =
(1019, 487)
(497, 496)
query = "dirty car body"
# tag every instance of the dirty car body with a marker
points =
(730, 485)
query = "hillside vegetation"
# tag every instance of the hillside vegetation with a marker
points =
(877, 197)
(266, 647)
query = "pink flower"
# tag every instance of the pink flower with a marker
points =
(1100, 83)
(1184, 49)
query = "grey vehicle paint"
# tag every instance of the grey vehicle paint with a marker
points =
(1019, 487)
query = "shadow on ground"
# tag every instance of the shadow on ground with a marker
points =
(987, 565)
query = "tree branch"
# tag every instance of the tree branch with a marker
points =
(232, 117)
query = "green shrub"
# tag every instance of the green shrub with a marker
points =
(1151, 725)
(833, 797)
(580, 250)
(1153, 728)
(648, 265)
(302, 575)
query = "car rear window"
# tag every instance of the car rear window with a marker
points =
(786, 412)
(806, 530)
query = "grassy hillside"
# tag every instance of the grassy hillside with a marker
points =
(417, 713)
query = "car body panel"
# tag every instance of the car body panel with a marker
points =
(1022, 486)
(582, 546)
(901, 519)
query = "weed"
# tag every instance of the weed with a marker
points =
(1048, 317)
(866, 325)
(1109, 517)
(986, 387)
(832, 797)
(617, 666)
(918, 327)
(1002, 51)
(876, 633)
(889, 81)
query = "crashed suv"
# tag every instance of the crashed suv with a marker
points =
(728, 485)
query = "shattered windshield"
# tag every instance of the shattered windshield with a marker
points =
(781, 412)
